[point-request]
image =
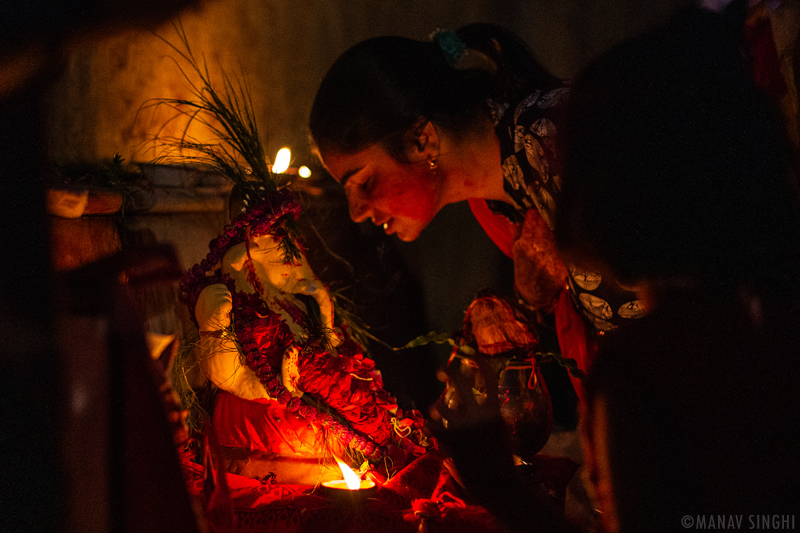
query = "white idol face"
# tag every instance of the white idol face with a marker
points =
(270, 268)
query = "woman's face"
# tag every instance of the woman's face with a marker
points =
(401, 197)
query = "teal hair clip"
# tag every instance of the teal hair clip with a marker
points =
(451, 45)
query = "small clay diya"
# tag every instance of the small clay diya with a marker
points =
(338, 492)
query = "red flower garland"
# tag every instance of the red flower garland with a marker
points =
(345, 383)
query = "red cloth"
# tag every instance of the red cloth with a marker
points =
(262, 424)
(502, 231)
(574, 339)
(259, 507)
(423, 490)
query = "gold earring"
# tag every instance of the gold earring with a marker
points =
(433, 164)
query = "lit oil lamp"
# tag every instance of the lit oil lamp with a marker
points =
(350, 490)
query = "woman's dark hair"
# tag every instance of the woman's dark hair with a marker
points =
(518, 72)
(675, 164)
(381, 88)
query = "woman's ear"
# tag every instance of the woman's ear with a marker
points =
(426, 142)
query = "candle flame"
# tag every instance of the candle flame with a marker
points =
(350, 478)
(282, 161)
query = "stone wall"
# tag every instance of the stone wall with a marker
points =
(283, 49)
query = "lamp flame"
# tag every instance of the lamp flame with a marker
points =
(282, 160)
(350, 478)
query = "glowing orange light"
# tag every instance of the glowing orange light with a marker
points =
(348, 491)
(350, 478)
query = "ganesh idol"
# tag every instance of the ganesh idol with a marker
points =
(289, 386)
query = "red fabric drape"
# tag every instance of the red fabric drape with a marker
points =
(574, 339)
(502, 231)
